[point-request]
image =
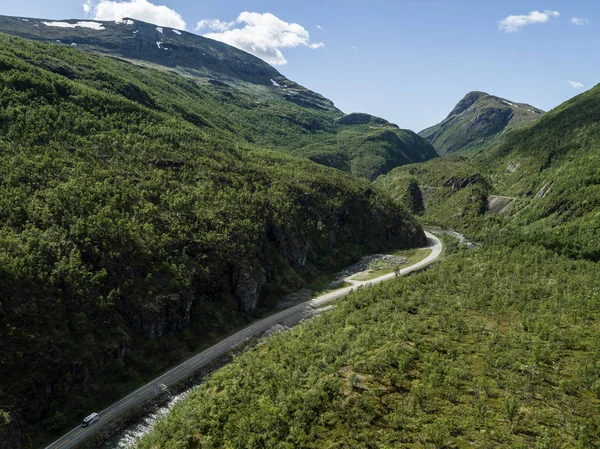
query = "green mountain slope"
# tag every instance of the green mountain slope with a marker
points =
(230, 88)
(553, 168)
(450, 192)
(140, 219)
(476, 121)
(494, 347)
(545, 173)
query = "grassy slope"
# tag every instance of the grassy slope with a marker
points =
(127, 198)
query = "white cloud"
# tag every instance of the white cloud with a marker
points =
(515, 23)
(136, 9)
(214, 25)
(579, 21)
(264, 35)
(576, 85)
(319, 27)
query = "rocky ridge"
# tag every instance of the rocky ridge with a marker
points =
(476, 121)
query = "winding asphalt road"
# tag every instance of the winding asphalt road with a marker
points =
(287, 317)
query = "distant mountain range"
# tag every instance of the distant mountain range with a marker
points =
(478, 120)
(368, 147)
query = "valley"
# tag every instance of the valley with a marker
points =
(208, 358)
(169, 203)
(494, 347)
(145, 214)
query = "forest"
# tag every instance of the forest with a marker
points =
(430, 361)
(145, 214)
(495, 346)
(134, 231)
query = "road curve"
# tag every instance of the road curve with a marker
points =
(206, 357)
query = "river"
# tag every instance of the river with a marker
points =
(127, 437)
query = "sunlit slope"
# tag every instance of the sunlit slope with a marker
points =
(228, 90)
(492, 347)
(477, 121)
(554, 165)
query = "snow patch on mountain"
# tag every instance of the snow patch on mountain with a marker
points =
(91, 25)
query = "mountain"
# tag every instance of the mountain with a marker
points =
(451, 192)
(542, 179)
(301, 122)
(478, 120)
(552, 168)
(145, 213)
(180, 51)
(495, 346)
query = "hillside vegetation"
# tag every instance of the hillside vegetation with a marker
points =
(450, 192)
(477, 121)
(550, 169)
(136, 226)
(554, 168)
(493, 347)
(227, 91)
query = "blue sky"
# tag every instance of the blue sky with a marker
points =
(408, 61)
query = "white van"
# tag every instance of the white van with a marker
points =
(90, 419)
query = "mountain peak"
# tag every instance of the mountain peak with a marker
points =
(467, 102)
(476, 121)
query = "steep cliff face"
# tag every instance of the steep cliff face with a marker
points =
(477, 121)
(248, 280)
(161, 316)
(296, 249)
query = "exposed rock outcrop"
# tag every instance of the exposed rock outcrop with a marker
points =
(544, 190)
(162, 316)
(248, 280)
(500, 204)
(463, 183)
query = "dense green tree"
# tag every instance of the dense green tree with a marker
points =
(138, 223)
